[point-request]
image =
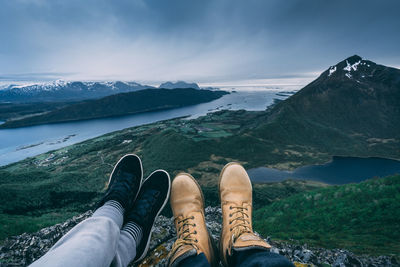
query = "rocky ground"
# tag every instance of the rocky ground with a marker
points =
(23, 249)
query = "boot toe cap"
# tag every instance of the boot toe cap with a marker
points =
(234, 177)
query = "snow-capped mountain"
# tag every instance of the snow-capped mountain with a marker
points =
(354, 68)
(355, 95)
(66, 91)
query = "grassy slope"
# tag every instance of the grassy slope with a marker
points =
(361, 217)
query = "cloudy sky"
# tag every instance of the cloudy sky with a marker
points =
(208, 41)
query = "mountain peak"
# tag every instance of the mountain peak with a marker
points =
(354, 65)
(353, 59)
(350, 63)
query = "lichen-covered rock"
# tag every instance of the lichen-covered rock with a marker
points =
(23, 249)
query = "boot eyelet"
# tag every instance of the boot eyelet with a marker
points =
(230, 222)
(230, 229)
(195, 232)
(230, 207)
(196, 241)
(230, 215)
(194, 225)
(192, 217)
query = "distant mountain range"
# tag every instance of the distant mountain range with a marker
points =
(75, 91)
(179, 85)
(66, 91)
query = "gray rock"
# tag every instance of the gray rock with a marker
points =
(24, 249)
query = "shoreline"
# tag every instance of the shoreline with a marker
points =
(48, 133)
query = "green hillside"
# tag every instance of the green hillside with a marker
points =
(363, 217)
(117, 105)
(13, 111)
(349, 100)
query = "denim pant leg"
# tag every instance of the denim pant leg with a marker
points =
(126, 250)
(258, 257)
(93, 242)
(195, 261)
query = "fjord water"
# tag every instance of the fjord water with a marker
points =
(341, 170)
(20, 143)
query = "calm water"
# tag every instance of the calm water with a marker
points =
(340, 170)
(20, 143)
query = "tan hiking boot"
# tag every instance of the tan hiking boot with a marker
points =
(187, 205)
(236, 202)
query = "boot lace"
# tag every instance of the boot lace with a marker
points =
(240, 224)
(184, 234)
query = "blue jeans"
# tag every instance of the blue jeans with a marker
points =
(251, 257)
(96, 241)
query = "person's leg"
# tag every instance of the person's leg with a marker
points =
(193, 239)
(136, 234)
(239, 245)
(126, 250)
(199, 260)
(90, 243)
(261, 258)
(94, 241)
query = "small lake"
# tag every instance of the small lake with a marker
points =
(341, 170)
(20, 143)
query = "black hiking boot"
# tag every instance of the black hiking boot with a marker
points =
(125, 181)
(152, 198)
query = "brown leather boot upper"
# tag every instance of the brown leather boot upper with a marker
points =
(187, 205)
(236, 202)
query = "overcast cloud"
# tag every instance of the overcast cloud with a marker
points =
(205, 41)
